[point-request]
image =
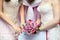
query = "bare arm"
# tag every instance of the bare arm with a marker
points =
(55, 20)
(22, 14)
(0, 5)
(4, 17)
(38, 19)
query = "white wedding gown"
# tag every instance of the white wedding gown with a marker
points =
(11, 10)
(47, 15)
(31, 15)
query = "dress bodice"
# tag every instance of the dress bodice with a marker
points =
(35, 3)
(11, 8)
(46, 12)
(30, 11)
(46, 16)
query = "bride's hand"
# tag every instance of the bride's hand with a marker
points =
(17, 30)
(38, 22)
(21, 26)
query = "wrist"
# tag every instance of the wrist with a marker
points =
(42, 28)
(22, 24)
(39, 28)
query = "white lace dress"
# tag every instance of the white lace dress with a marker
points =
(47, 15)
(31, 15)
(11, 10)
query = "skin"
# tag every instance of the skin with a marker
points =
(30, 1)
(55, 20)
(4, 17)
(22, 16)
(59, 8)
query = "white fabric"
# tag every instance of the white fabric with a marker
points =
(46, 12)
(30, 12)
(34, 4)
(47, 15)
(30, 15)
(11, 10)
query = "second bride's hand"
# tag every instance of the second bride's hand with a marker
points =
(38, 21)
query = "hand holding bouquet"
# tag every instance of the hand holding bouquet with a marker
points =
(30, 27)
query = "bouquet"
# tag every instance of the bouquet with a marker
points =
(31, 27)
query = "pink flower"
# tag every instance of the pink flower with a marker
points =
(30, 27)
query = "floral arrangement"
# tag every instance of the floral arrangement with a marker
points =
(30, 1)
(30, 27)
